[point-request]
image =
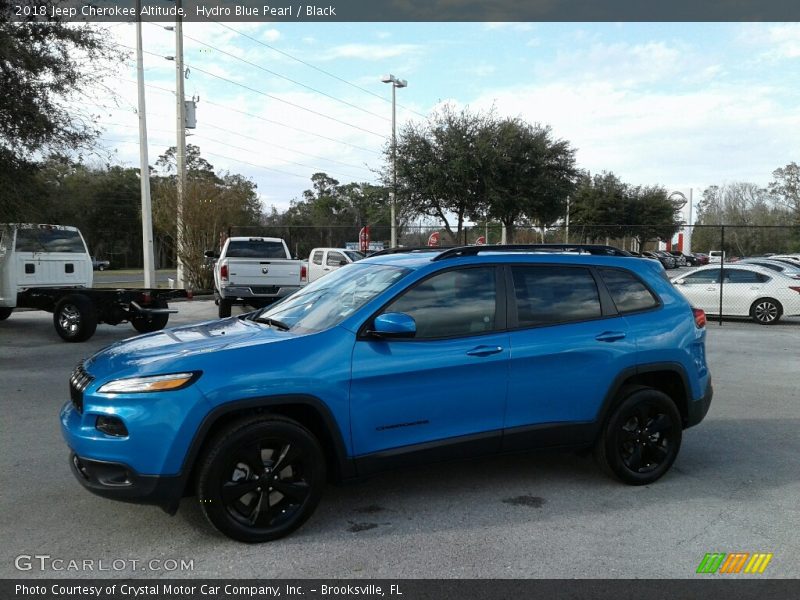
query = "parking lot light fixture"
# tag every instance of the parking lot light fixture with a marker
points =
(396, 83)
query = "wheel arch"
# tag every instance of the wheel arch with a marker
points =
(669, 378)
(309, 411)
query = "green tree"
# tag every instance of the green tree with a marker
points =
(43, 65)
(786, 187)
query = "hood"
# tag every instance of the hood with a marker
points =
(176, 347)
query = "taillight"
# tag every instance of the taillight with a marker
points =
(699, 317)
(303, 273)
(223, 272)
(796, 289)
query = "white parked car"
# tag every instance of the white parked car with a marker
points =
(716, 256)
(322, 261)
(747, 291)
(795, 258)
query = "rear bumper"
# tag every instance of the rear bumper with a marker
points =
(233, 292)
(699, 408)
(118, 481)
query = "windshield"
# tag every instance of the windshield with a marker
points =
(354, 256)
(332, 298)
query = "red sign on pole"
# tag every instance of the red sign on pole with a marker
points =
(363, 239)
(433, 240)
(481, 241)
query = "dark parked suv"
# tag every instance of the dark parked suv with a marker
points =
(398, 359)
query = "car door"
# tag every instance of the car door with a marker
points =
(315, 265)
(568, 344)
(446, 383)
(741, 287)
(701, 289)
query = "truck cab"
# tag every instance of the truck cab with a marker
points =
(41, 256)
(322, 261)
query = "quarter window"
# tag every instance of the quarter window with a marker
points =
(453, 303)
(628, 293)
(546, 295)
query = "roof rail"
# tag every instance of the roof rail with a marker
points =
(595, 249)
(410, 249)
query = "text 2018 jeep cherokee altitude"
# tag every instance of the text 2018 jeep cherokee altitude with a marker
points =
(397, 359)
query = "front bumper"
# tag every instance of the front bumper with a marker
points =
(118, 481)
(699, 408)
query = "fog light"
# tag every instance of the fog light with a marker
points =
(111, 426)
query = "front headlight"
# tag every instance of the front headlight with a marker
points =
(156, 383)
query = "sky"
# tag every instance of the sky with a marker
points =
(684, 105)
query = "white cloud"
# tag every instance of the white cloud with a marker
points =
(271, 35)
(371, 51)
(779, 41)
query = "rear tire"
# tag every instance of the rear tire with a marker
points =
(224, 309)
(766, 311)
(641, 437)
(144, 323)
(261, 478)
(75, 318)
(5, 312)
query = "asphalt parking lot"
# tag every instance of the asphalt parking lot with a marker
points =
(734, 488)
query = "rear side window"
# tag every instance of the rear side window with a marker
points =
(628, 293)
(255, 249)
(453, 303)
(317, 258)
(742, 276)
(707, 276)
(547, 295)
(49, 240)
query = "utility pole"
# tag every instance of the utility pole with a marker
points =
(566, 228)
(144, 163)
(180, 147)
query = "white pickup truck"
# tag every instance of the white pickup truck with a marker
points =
(322, 261)
(255, 271)
(47, 267)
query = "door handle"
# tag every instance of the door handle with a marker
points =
(610, 336)
(711, 289)
(484, 350)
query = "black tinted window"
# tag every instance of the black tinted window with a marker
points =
(255, 249)
(49, 240)
(742, 276)
(459, 302)
(629, 294)
(547, 295)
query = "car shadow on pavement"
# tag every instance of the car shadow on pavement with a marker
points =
(721, 463)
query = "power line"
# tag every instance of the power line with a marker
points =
(316, 68)
(276, 98)
(284, 77)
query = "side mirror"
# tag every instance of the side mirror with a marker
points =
(343, 263)
(394, 325)
(210, 254)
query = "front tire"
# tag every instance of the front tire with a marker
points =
(261, 478)
(766, 311)
(641, 438)
(75, 318)
(5, 312)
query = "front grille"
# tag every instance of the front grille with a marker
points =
(78, 382)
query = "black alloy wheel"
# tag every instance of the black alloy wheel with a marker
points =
(262, 479)
(642, 437)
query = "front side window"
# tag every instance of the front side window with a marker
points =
(453, 303)
(331, 299)
(547, 295)
(41, 239)
(628, 293)
(335, 259)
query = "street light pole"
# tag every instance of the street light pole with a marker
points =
(180, 147)
(396, 83)
(144, 163)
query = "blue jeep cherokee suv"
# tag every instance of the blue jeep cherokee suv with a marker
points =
(397, 359)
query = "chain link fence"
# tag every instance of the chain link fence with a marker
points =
(745, 271)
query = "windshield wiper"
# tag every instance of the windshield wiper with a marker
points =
(273, 322)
